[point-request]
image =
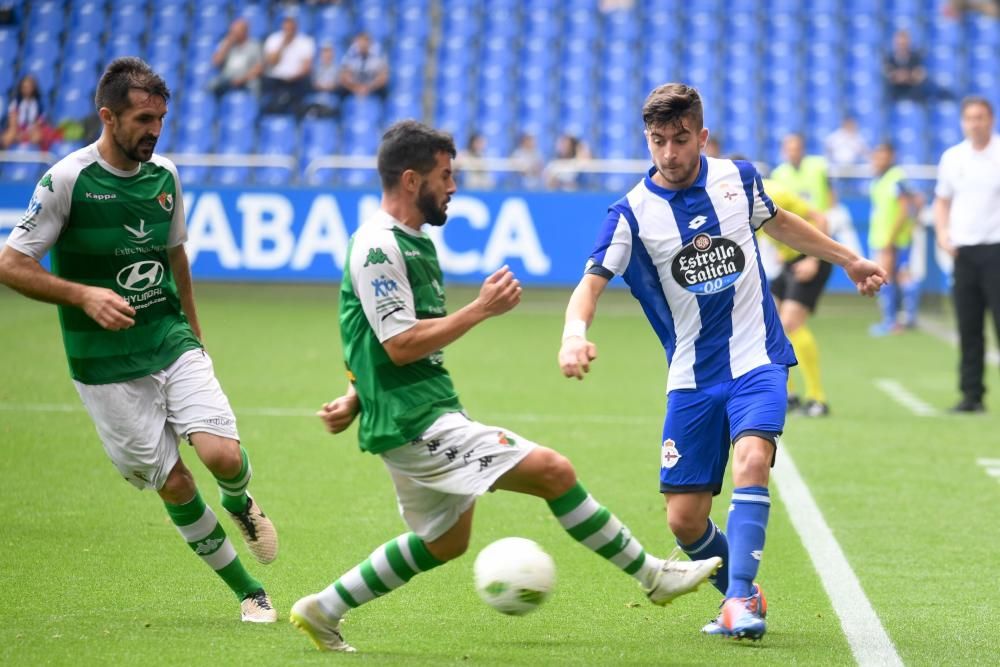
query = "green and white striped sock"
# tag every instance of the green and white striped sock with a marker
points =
(386, 569)
(201, 530)
(596, 528)
(234, 491)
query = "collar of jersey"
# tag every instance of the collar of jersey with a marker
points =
(670, 194)
(385, 218)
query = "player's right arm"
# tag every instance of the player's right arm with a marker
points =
(499, 293)
(944, 190)
(20, 267)
(25, 275)
(339, 413)
(576, 352)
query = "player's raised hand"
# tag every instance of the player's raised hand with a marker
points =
(867, 275)
(500, 292)
(575, 356)
(108, 308)
(338, 414)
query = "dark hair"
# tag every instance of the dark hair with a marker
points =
(124, 75)
(887, 145)
(971, 100)
(670, 103)
(410, 145)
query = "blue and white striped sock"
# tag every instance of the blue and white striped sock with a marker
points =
(746, 529)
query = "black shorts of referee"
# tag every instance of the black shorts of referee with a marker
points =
(786, 286)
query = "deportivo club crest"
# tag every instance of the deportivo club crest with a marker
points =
(166, 201)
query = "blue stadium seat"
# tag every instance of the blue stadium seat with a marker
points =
(278, 135)
(258, 21)
(88, 17)
(273, 176)
(73, 103)
(211, 20)
(190, 175)
(9, 44)
(170, 20)
(41, 68)
(47, 16)
(120, 45)
(63, 148)
(128, 19)
(165, 142)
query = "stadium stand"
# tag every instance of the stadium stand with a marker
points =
(503, 67)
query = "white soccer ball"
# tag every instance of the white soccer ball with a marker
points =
(514, 575)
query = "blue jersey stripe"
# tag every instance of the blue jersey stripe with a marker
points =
(644, 283)
(711, 348)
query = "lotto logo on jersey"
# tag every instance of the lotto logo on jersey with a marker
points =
(708, 264)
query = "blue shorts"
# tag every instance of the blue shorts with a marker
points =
(701, 424)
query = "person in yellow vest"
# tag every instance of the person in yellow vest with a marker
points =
(797, 289)
(890, 234)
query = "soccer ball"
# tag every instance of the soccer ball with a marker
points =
(514, 575)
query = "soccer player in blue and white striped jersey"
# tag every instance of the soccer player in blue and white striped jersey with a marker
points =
(683, 240)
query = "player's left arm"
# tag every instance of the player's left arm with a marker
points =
(340, 413)
(181, 269)
(792, 230)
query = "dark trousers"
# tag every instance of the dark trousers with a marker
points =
(976, 288)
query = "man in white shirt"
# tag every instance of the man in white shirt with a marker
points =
(288, 58)
(967, 223)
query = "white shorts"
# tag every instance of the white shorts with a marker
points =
(140, 421)
(440, 475)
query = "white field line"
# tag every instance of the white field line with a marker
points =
(301, 412)
(865, 635)
(901, 395)
(992, 467)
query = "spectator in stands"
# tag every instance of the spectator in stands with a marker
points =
(288, 60)
(568, 147)
(323, 101)
(474, 175)
(531, 164)
(26, 122)
(955, 8)
(905, 74)
(846, 146)
(239, 59)
(364, 69)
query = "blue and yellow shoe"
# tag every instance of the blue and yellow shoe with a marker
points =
(756, 605)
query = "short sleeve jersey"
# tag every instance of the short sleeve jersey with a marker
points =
(112, 229)
(971, 180)
(691, 259)
(392, 280)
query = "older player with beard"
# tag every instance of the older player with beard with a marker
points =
(393, 326)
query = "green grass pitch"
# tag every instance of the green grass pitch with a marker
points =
(94, 573)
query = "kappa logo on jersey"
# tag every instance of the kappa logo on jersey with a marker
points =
(100, 196)
(383, 286)
(708, 264)
(697, 222)
(376, 256)
(141, 235)
(166, 201)
(28, 219)
(46, 182)
(669, 456)
(140, 276)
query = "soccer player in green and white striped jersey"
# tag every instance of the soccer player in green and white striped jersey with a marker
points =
(393, 326)
(111, 217)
